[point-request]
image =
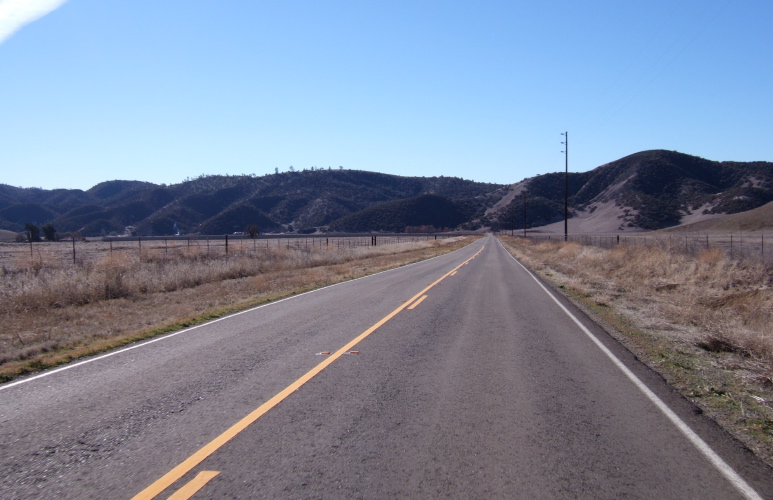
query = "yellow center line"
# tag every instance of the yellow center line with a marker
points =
(417, 302)
(188, 464)
(194, 485)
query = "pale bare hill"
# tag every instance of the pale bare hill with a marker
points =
(7, 236)
(600, 218)
(511, 191)
(759, 219)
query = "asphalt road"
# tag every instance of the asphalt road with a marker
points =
(485, 388)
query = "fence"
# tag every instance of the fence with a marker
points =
(20, 255)
(757, 247)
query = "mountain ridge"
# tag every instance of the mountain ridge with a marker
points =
(648, 190)
(288, 201)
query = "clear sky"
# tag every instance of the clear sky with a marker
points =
(162, 90)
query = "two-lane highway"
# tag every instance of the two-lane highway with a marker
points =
(460, 376)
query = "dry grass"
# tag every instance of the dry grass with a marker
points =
(699, 299)
(54, 312)
(704, 322)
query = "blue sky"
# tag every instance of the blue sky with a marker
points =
(162, 90)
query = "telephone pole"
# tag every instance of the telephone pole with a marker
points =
(524, 212)
(566, 185)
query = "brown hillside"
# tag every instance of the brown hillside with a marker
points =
(759, 219)
(7, 236)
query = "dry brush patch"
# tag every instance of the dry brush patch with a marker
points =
(704, 322)
(55, 313)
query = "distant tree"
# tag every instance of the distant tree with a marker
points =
(33, 231)
(276, 170)
(49, 232)
(292, 169)
(252, 230)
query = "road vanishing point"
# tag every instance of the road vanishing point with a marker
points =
(462, 376)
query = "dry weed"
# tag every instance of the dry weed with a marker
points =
(703, 298)
(54, 311)
(704, 322)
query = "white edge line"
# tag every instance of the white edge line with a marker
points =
(730, 474)
(208, 323)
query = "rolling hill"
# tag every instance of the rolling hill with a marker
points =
(289, 201)
(758, 219)
(644, 191)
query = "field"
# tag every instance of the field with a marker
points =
(755, 247)
(57, 307)
(702, 319)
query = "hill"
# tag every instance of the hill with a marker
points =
(759, 219)
(7, 236)
(394, 216)
(643, 191)
(289, 201)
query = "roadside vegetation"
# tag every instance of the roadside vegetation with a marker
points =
(53, 312)
(704, 322)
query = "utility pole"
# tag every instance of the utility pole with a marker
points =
(566, 185)
(524, 213)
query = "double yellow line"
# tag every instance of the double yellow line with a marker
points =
(186, 466)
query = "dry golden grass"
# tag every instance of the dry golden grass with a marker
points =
(54, 312)
(704, 322)
(701, 298)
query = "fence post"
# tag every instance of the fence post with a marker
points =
(73, 250)
(226, 244)
(139, 245)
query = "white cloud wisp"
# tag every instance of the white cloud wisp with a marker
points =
(16, 13)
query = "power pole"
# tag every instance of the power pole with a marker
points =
(524, 213)
(566, 185)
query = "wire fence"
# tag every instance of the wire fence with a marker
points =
(739, 246)
(14, 256)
